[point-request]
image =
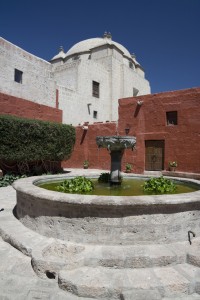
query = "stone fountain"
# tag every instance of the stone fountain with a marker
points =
(116, 146)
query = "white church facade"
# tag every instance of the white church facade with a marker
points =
(85, 82)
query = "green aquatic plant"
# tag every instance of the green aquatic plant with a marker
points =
(78, 185)
(159, 185)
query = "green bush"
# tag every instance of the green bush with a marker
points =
(159, 185)
(25, 140)
(78, 185)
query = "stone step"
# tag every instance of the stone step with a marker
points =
(141, 256)
(193, 256)
(152, 283)
(58, 255)
(188, 297)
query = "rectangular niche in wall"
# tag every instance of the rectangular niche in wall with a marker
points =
(18, 76)
(95, 114)
(135, 92)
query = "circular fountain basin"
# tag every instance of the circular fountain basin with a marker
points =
(112, 220)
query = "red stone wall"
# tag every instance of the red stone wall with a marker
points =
(148, 122)
(10, 105)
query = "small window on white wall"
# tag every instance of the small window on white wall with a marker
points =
(18, 76)
(95, 89)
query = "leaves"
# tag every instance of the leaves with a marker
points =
(78, 185)
(8, 179)
(159, 185)
(34, 140)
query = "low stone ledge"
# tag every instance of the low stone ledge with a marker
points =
(181, 174)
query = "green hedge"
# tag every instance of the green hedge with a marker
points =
(25, 140)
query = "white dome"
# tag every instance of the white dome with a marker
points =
(87, 45)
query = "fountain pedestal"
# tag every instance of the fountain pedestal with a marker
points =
(115, 172)
(116, 145)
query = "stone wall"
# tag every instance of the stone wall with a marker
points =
(10, 105)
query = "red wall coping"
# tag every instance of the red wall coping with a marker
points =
(10, 105)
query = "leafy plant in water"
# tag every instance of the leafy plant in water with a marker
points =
(104, 177)
(78, 185)
(159, 185)
(8, 179)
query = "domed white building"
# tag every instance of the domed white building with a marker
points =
(85, 82)
(91, 77)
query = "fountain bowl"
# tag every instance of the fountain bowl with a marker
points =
(116, 143)
(93, 219)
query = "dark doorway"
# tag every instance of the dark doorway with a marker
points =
(154, 155)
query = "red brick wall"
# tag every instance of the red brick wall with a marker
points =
(148, 122)
(10, 105)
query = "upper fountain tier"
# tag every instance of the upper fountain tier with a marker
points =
(116, 143)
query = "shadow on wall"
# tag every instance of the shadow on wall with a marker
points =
(85, 129)
(139, 104)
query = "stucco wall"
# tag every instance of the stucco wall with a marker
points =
(37, 82)
(148, 122)
(67, 74)
(10, 105)
(74, 101)
(106, 66)
(40, 79)
(86, 148)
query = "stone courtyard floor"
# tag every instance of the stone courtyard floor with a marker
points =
(18, 281)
